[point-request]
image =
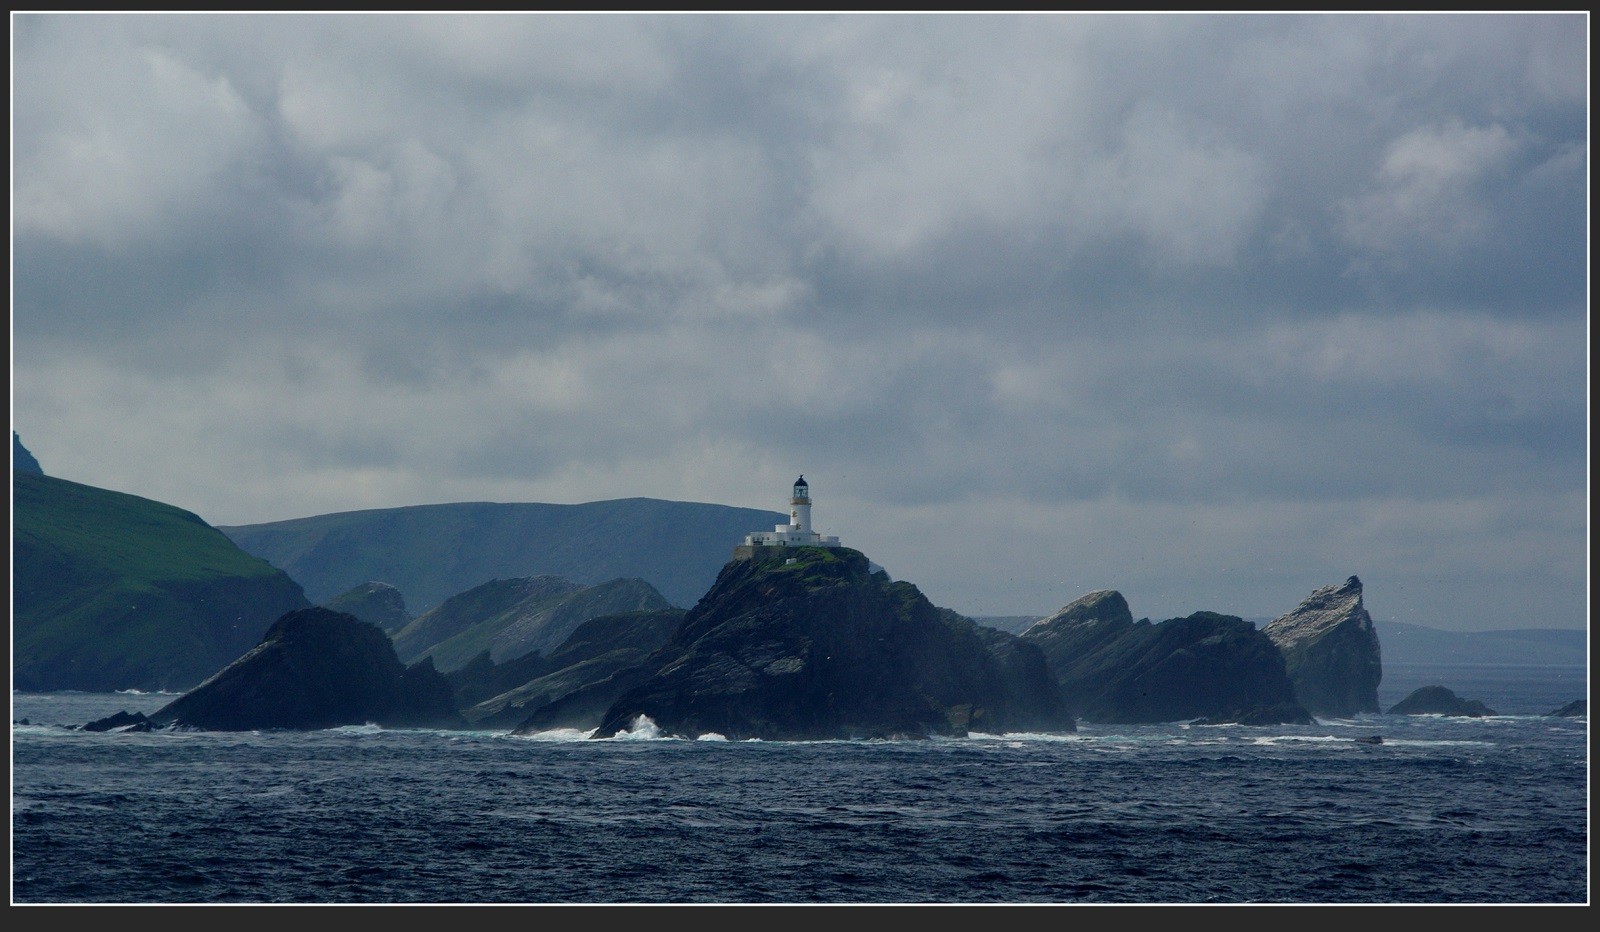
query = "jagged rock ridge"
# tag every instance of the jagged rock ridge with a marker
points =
(1331, 651)
(1211, 667)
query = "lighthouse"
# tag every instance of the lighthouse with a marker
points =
(797, 533)
(800, 506)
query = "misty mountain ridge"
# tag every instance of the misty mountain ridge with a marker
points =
(433, 552)
(1409, 643)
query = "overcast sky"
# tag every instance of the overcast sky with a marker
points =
(1212, 310)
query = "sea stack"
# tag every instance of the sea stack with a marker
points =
(1330, 649)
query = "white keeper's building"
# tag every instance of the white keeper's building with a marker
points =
(798, 532)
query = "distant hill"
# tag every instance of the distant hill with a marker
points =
(507, 618)
(112, 591)
(1406, 643)
(432, 552)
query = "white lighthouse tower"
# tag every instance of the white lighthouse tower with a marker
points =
(800, 506)
(797, 533)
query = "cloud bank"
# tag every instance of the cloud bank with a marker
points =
(1213, 310)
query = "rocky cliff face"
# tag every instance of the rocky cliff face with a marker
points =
(316, 668)
(1207, 666)
(1331, 651)
(817, 646)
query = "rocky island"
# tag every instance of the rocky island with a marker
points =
(1437, 700)
(808, 642)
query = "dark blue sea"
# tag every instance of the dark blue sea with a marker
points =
(1444, 811)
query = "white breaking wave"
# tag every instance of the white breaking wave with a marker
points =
(1016, 737)
(558, 734)
(1299, 739)
(642, 729)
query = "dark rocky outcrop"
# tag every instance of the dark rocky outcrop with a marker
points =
(1331, 651)
(376, 603)
(810, 643)
(1208, 667)
(316, 668)
(1280, 713)
(21, 459)
(1572, 709)
(121, 721)
(1437, 700)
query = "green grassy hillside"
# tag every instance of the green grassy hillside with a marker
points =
(432, 552)
(112, 591)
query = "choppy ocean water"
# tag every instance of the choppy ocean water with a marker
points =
(1443, 811)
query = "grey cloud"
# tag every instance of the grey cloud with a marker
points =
(1106, 268)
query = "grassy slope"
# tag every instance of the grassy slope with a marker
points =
(115, 591)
